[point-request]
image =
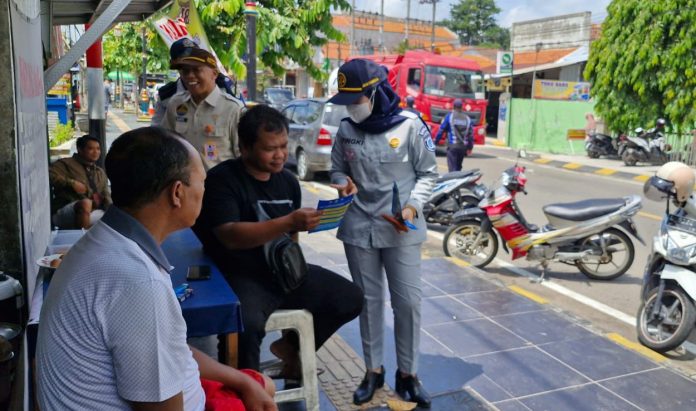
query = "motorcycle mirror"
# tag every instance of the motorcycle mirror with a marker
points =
(657, 189)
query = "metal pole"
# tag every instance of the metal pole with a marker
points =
(408, 16)
(251, 13)
(381, 26)
(432, 33)
(352, 33)
(143, 81)
(96, 96)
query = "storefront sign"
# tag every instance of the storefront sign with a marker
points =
(561, 90)
(504, 62)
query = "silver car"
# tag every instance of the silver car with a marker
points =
(313, 127)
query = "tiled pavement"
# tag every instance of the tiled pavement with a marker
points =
(485, 347)
(481, 338)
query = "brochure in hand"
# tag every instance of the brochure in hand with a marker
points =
(334, 210)
(396, 219)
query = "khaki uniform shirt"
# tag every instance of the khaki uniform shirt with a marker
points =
(63, 172)
(210, 126)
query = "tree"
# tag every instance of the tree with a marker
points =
(474, 22)
(644, 67)
(286, 30)
(123, 49)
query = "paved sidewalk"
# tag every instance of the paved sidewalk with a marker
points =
(487, 346)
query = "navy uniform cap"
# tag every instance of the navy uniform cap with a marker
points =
(458, 103)
(354, 78)
(181, 46)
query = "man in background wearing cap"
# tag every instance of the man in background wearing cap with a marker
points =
(410, 103)
(166, 92)
(202, 113)
(457, 126)
(385, 157)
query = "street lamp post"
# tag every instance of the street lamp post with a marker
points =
(250, 12)
(143, 81)
(432, 32)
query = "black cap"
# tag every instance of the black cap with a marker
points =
(180, 46)
(355, 78)
(194, 57)
(457, 103)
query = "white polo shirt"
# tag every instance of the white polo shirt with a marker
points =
(111, 327)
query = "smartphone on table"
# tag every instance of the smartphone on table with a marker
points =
(198, 272)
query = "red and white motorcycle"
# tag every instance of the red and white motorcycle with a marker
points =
(587, 234)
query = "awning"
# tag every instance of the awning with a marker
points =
(101, 15)
(580, 55)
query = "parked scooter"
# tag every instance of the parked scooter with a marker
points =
(453, 192)
(650, 147)
(599, 145)
(667, 314)
(585, 234)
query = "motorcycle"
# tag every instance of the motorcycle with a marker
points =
(599, 145)
(585, 234)
(650, 147)
(667, 315)
(453, 192)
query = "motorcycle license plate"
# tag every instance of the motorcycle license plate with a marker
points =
(683, 223)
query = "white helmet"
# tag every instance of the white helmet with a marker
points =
(673, 177)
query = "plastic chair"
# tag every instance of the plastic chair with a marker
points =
(302, 322)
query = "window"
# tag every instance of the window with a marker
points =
(313, 112)
(414, 78)
(301, 114)
(287, 112)
(334, 114)
(451, 82)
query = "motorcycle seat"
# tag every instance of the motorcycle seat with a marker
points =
(456, 174)
(584, 210)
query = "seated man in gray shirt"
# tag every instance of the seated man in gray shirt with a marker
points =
(112, 335)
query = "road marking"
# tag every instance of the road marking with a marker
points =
(498, 143)
(582, 299)
(532, 296)
(572, 166)
(657, 357)
(641, 178)
(650, 216)
(605, 171)
(543, 160)
(457, 261)
(119, 123)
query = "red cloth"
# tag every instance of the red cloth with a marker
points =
(220, 398)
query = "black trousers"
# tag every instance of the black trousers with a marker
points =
(332, 300)
(455, 157)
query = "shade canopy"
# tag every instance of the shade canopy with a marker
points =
(125, 76)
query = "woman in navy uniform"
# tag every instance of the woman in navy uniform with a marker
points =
(379, 152)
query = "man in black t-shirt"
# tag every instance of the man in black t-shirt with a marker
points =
(233, 236)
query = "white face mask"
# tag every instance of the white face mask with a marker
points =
(360, 112)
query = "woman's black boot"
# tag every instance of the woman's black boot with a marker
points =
(367, 387)
(410, 388)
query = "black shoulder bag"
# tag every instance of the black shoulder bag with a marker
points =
(283, 255)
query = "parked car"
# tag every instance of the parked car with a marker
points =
(313, 127)
(277, 97)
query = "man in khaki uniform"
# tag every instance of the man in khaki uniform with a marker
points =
(204, 115)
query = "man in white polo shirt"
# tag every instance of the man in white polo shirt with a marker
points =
(112, 336)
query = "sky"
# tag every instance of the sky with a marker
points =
(512, 10)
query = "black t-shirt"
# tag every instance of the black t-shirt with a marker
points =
(230, 196)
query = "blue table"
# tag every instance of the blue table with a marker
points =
(213, 308)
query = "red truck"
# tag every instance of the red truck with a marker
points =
(435, 81)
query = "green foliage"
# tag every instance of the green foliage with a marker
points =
(403, 46)
(286, 30)
(123, 49)
(62, 133)
(643, 67)
(474, 22)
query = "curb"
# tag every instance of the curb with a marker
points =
(544, 159)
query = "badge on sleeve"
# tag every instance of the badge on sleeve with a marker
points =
(424, 134)
(394, 142)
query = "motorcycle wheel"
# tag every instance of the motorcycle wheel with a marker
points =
(629, 159)
(468, 201)
(617, 243)
(459, 239)
(674, 323)
(592, 154)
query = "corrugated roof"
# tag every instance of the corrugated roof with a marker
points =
(525, 59)
(391, 25)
